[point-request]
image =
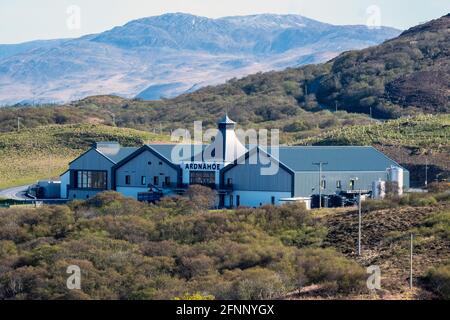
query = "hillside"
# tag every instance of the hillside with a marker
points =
(385, 243)
(403, 76)
(45, 152)
(164, 56)
(410, 141)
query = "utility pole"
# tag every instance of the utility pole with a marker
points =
(113, 116)
(160, 128)
(359, 223)
(359, 218)
(18, 124)
(336, 106)
(411, 263)
(426, 172)
(320, 164)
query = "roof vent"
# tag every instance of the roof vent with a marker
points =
(107, 145)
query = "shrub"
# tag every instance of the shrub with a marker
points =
(423, 202)
(437, 225)
(442, 197)
(438, 280)
(7, 249)
(374, 205)
(258, 284)
(437, 187)
(330, 269)
(195, 296)
(304, 237)
(108, 203)
(202, 197)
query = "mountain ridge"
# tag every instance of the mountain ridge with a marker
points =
(161, 51)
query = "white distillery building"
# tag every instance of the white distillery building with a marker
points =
(242, 175)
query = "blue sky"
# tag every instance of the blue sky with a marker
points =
(24, 20)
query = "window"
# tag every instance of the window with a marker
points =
(272, 200)
(160, 163)
(143, 180)
(167, 181)
(323, 184)
(229, 181)
(85, 179)
(127, 179)
(202, 177)
(231, 201)
(238, 200)
(155, 180)
(149, 163)
(338, 184)
(352, 184)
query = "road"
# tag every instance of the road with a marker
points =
(15, 193)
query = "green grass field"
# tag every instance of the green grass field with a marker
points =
(428, 132)
(45, 151)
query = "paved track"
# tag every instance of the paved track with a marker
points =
(15, 193)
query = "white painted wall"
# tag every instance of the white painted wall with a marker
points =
(65, 182)
(257, 198)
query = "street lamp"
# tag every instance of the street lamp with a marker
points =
(359, 218)
(411, 262)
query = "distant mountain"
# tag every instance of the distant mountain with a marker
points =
(166, 55)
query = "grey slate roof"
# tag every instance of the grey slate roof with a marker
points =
(339, 158)
(299, 158)
(117, 154)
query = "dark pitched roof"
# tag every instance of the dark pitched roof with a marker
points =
(339, 158)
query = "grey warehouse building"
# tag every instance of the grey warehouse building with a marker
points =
(226, 165)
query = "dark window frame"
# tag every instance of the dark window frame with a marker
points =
(205, 178)
(167, 181)
(352, 184)
(90, 179)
